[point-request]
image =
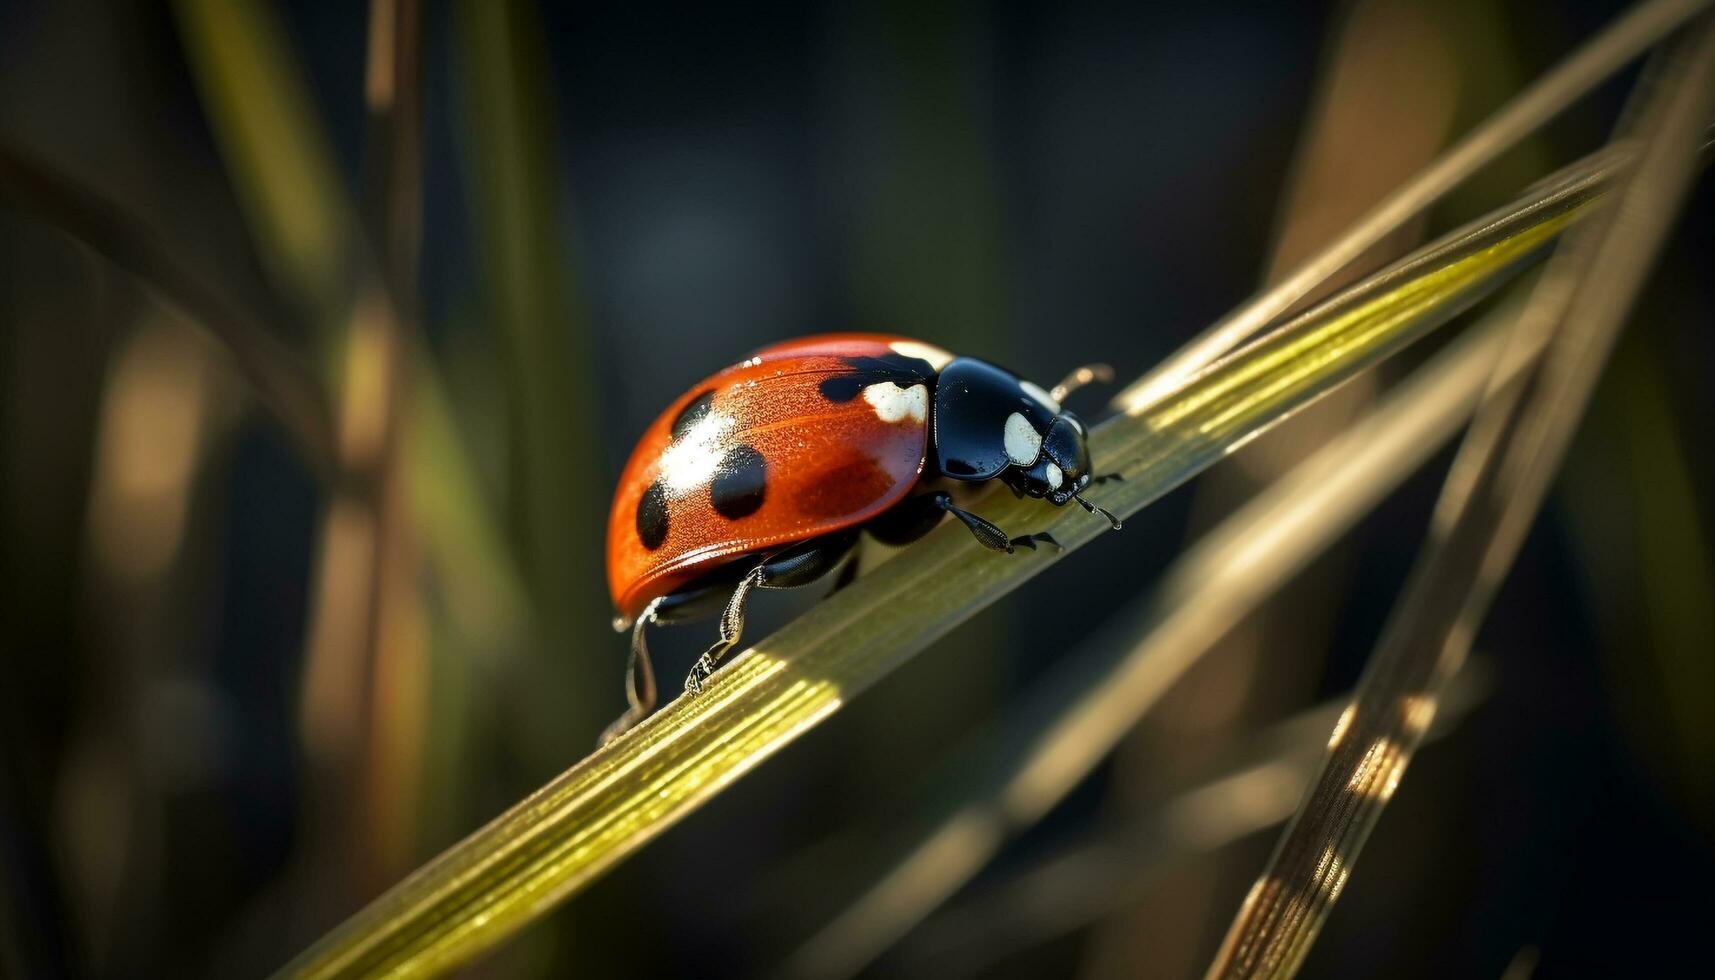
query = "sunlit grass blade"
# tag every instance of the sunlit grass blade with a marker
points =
(1624, 40)
(1088, 702)
(1120, 865)
(555, 842)
(1498, 482)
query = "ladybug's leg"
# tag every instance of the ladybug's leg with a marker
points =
(639, 677)
(789, 569)
(916, 517)
(732, 627)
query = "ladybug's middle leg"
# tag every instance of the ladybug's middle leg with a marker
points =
(918, 516)
(698, 600)
(790, 569)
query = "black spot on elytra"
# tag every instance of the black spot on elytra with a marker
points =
(652, 516)
(691, 414)
(740, 481)
(865, 371)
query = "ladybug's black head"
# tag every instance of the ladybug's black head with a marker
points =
(991, 423)
(1062, 467)
(1062, 470)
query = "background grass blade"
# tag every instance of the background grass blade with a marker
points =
(1253, 791)
(621, 797)
(530, 280)
(399, 681)
(283, 386)
(1627, 38)
(366, 681)
(1087, 704)
(282, 168)
(307, 229)
(1498, 482)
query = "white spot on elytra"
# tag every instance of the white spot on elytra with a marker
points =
(895, 404)
(1055, 477)
(1022, 440)
(936, 357)
(1042, 397)
(691, 460)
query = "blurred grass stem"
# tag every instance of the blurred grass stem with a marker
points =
(1078, 884)
(1498, 482)
(1628, 37)
(279, 379)
(397, 684)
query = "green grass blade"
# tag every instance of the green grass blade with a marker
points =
(556, 841)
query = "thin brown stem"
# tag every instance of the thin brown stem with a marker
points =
(394, 657)
(393, 92)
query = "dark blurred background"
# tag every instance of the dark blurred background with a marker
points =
(237, 703)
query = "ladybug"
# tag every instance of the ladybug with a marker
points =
(763, 476)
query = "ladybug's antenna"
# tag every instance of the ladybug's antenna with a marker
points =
(1081, 377)
(1092, 508)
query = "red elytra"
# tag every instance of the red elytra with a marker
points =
(755, 458)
